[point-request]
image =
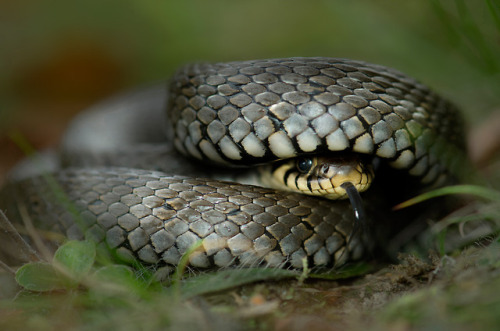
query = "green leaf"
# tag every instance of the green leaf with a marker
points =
(230, 278)
(347, 271)
(478, 191)
(40, 277)
(75, 258)
(114, 273)
(184, 261)
(226, 279)
(113, 282)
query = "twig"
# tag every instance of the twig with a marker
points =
(32, 232)
(23, 246)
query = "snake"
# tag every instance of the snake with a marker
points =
(249, 159)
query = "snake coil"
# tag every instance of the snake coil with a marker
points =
(240, 114)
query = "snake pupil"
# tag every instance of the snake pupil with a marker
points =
(304, 165)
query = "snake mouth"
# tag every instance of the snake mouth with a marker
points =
(322, 175)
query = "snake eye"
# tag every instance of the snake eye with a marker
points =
(304, 165)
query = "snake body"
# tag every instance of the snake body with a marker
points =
(241, 114)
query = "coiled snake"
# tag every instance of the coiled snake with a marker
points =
(245, 114)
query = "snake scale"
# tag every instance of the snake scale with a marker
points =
(117, 169)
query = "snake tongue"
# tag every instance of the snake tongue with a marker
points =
(359, 212)
(357, 206)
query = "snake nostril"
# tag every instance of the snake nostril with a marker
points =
(324, 170)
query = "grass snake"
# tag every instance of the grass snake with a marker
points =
(125, 185)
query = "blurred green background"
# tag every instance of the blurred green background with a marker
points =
(58, 56)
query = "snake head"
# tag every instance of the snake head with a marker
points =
(320, 175)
